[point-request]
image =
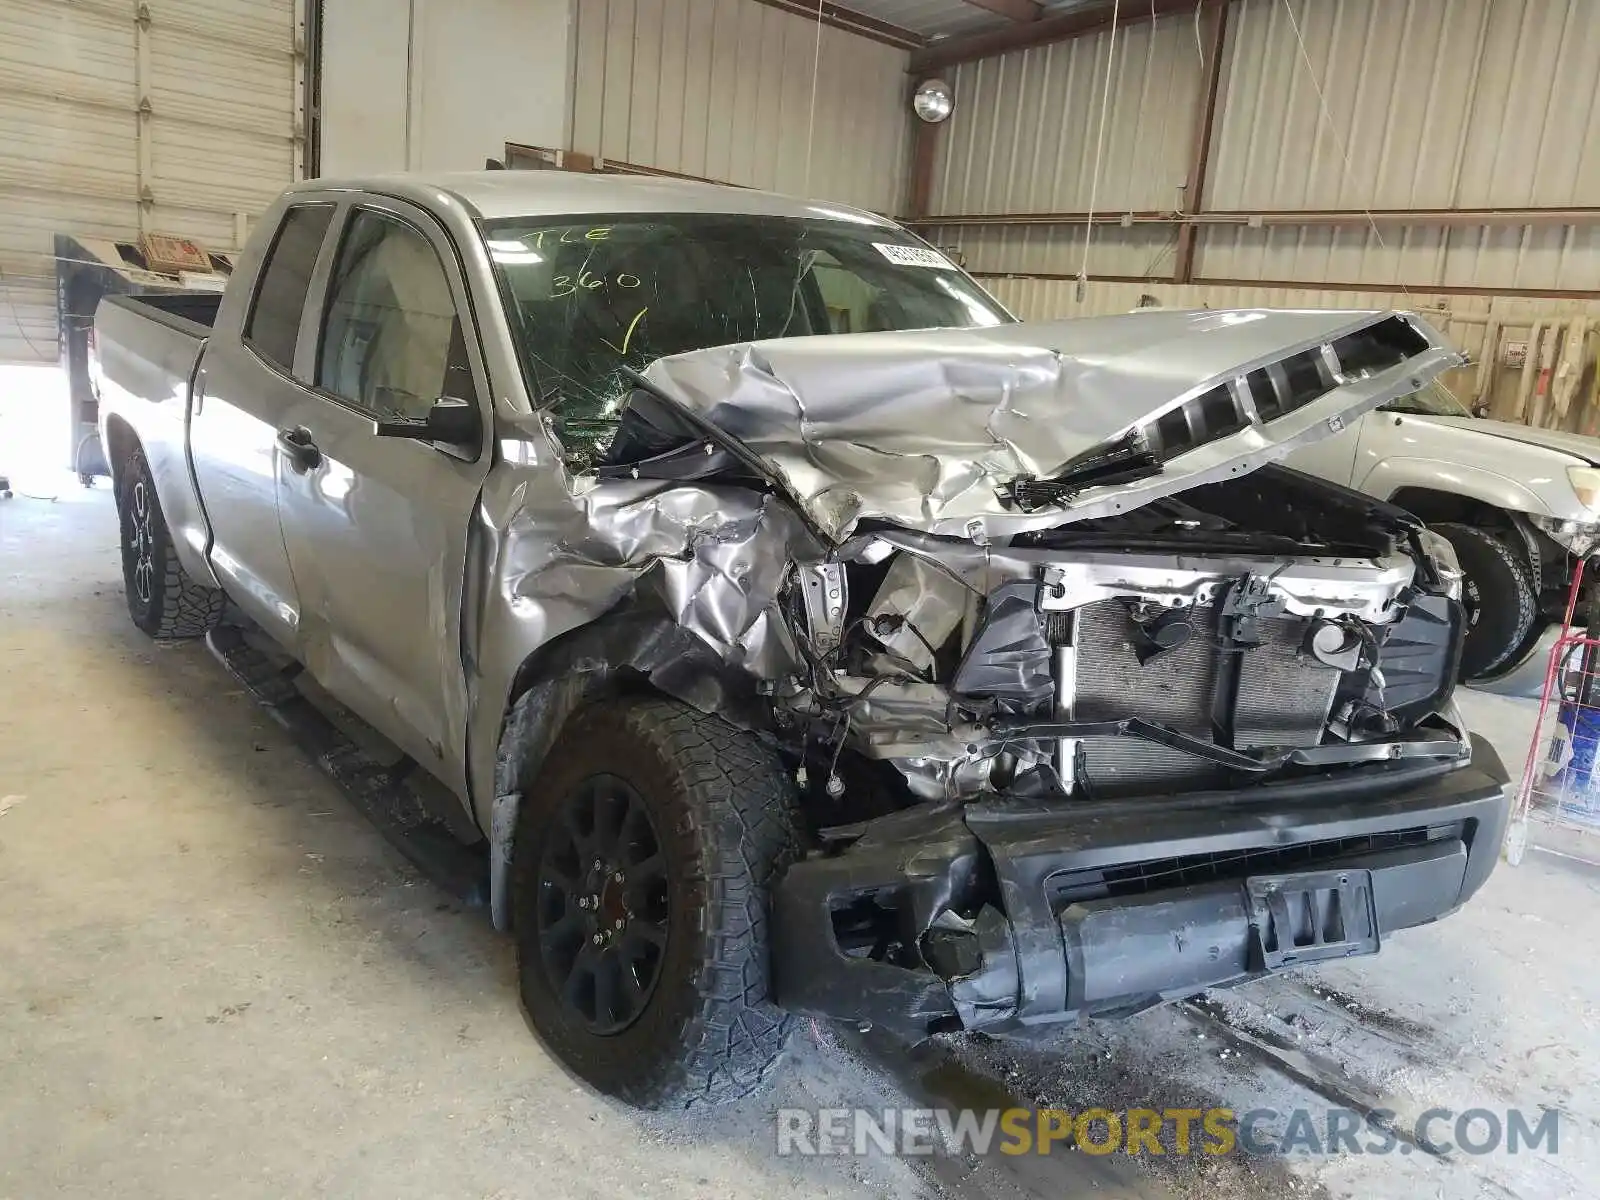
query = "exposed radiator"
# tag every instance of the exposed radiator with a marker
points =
(1284, 697)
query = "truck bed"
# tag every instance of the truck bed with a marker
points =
(147, 348)
(189, 312)
(146, 352)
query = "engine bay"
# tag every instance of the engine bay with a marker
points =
(1243, 630)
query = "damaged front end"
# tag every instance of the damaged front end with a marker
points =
(1089, 704)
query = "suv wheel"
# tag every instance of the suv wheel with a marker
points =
(642, 861)
(1498, 595)
(162, 600)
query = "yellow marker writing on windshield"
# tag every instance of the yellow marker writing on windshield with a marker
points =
(627, 337)
(632, 325)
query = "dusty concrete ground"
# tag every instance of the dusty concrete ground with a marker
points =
(216, 979)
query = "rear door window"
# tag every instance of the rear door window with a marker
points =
(272, 329)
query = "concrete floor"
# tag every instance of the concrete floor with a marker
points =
(216, 979)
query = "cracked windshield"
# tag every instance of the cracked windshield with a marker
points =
(589, 297)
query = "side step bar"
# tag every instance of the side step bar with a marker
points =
(378, 792)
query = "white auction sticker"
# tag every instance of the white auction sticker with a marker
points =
(913, 256)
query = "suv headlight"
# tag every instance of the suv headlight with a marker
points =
(1586, 483)
(1576, 537)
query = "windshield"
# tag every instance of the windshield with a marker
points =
(1435, 400)
(589, 297)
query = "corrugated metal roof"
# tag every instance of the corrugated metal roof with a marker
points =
(930, 18)
(949, 18)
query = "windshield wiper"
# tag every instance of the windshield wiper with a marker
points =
(700, 427)
(1127, 460)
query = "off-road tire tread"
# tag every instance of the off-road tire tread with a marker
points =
(182, 608)
(739, 815)
(1525, 597)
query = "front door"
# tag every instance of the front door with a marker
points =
(376, 528)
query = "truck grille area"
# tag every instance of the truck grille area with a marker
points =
(1284, 697)
(1273, 391)
(1153, 875)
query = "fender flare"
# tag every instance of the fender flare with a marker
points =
(630, 648)
(1393, 475)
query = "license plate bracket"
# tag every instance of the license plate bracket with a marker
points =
(1311, 916)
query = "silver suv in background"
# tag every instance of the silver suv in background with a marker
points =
(1520, 505)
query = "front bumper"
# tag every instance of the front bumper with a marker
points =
(1006, 914)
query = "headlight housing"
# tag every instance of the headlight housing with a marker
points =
(1443, 557)
(1576, 537)
(1586, 484)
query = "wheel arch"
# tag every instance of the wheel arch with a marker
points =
(1435, 505)
(632, 649)
(121, 442)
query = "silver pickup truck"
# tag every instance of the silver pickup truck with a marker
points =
(729, 592)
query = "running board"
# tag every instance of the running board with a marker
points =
(378, 792)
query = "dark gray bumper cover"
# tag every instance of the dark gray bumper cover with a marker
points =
(986, 923)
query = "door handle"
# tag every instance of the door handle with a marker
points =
(302, 452)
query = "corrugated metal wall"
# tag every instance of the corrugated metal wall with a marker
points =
(1024, 132)
(1024, 139)
(723, 89)
(1422, 104)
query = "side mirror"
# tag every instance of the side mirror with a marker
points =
(454, 422)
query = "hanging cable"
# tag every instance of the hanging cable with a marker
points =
(1327, 120)
(811, 117)
(46, 354)
(1099, 152)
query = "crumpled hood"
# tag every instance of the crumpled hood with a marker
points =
(1575, 444)
(920, 429)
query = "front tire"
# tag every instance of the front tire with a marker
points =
(1498, 596)
(162, 600)
(642, 863)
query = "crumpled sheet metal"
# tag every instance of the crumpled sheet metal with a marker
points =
(704, 559)
(921, 428)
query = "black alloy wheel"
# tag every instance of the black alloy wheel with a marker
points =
(603, 905)
(139, 541)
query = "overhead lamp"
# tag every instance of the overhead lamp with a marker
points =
(933, 101)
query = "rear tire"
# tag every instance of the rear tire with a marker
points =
(1498, 595)
(691, 1023)
(162, 600)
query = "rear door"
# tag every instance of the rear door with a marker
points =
(245, 389)
(376, 528)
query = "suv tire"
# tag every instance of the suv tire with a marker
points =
(1498, 595)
